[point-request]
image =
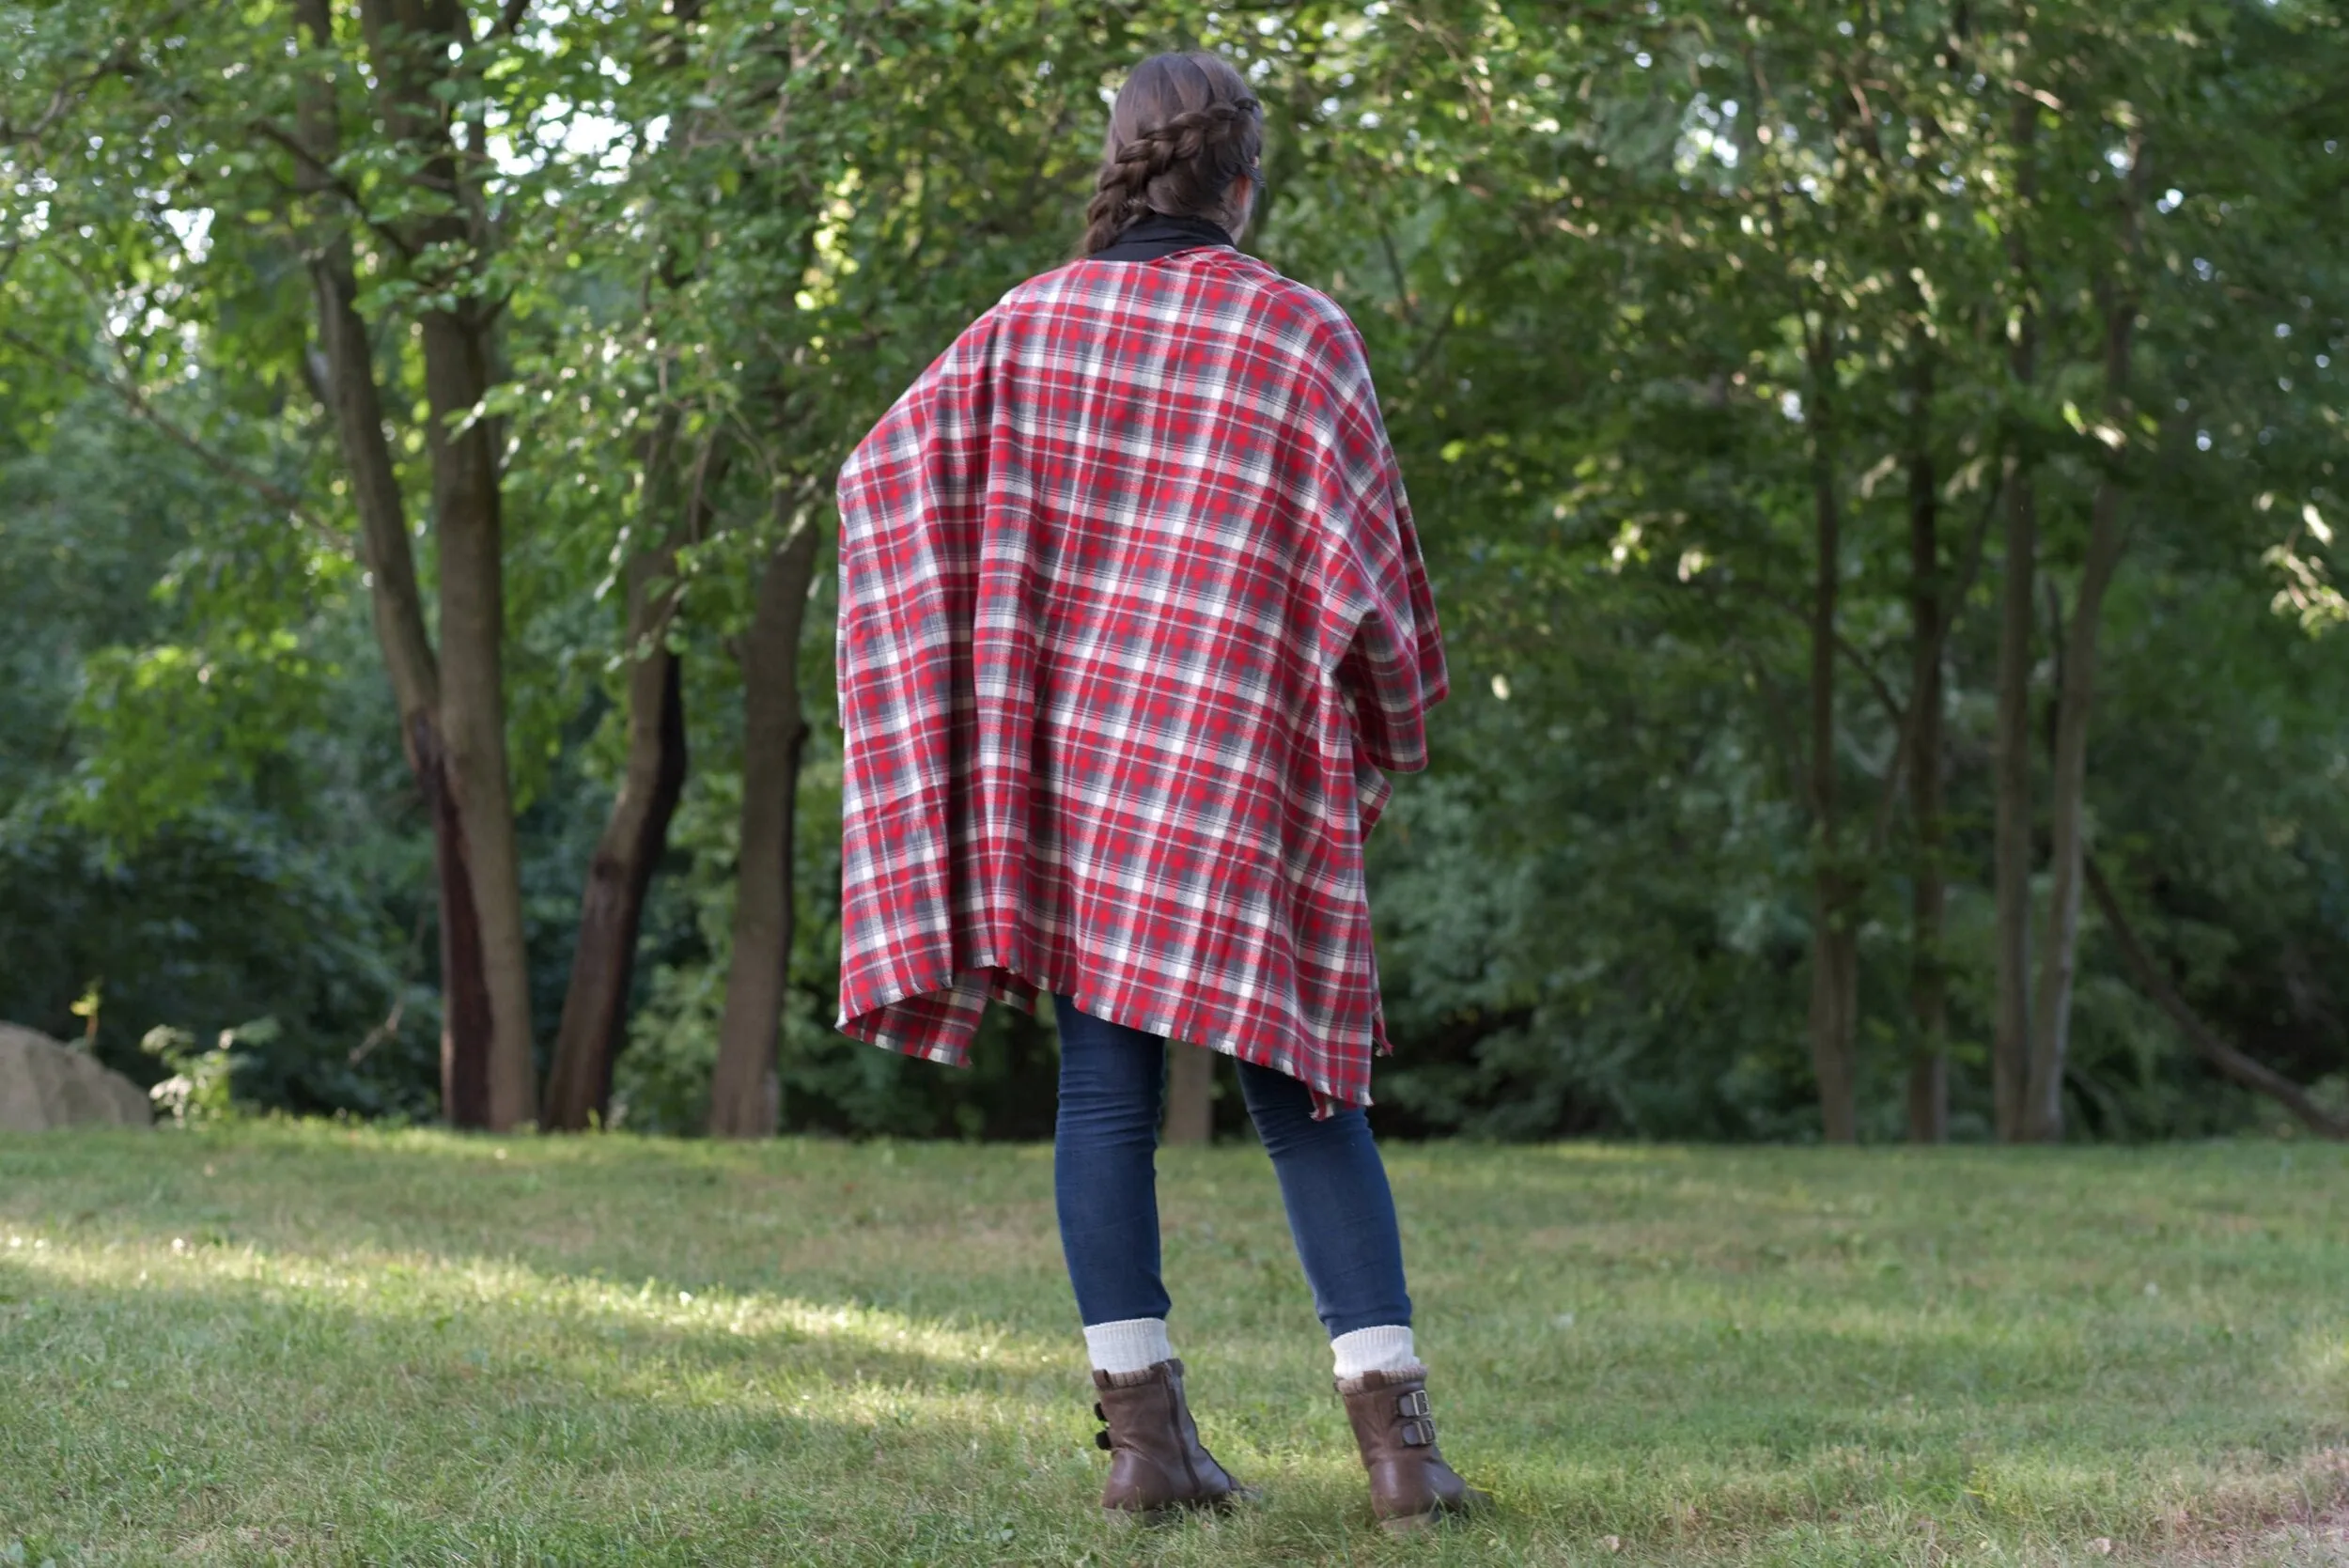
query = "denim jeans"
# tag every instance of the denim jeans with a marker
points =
(1105, 1182)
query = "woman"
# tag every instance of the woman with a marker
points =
(1132, 617)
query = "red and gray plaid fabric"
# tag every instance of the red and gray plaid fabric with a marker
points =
(1131, 616)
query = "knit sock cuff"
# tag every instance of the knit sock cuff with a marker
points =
(1129, 1344)
(1382, 1349)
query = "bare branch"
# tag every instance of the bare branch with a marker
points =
(2230, 1063)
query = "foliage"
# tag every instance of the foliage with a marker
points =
(201, 1090)
(1658, 285)
(255, 876)
(1641, 290)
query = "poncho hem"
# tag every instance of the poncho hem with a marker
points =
(1014, 988)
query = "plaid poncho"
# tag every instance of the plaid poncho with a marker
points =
(1131, 616)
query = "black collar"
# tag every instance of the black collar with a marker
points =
(1155, 234)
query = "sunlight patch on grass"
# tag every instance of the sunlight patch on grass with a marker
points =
(313, 1343)
(412, 1290)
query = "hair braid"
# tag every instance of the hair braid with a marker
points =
(1184, 127)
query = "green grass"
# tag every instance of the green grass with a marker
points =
(311, 1343)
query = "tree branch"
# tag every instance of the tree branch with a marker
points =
(335, 182)
(1959, 591)
(1893, 708)
(2230, 1063)
(1851, 652)
(117, 61)
(140, 408)
(1394, 270)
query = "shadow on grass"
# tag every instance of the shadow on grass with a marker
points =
(224, 1399)
(587, 1347)
(858, 1224)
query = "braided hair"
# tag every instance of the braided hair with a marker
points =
(1183, 129)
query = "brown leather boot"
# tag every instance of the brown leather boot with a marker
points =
(1158, 1469)
(1410, 1485)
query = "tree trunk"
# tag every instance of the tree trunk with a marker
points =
(1928, 992)
(1834, 946)
(473, 701)
(2051, 1014)
(2010, 1056)
(745, 1088)
(1190, 1094)
(346, 385)
(2009, 1061)
(413, 42)
(635, 835)
(2051, 1018)
(610, 911)
(1834, 1010)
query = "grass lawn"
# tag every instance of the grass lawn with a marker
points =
(313, 1344)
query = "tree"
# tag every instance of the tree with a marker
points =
(451, 700)
(1729, 353)
(271, 118)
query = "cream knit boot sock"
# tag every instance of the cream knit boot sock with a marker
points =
(1132, 1343)
(1382, 1349)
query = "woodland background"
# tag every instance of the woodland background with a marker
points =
(1877, 464)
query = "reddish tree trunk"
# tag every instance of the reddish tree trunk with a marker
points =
(465, 1014)
(636, 831)
(610, 913)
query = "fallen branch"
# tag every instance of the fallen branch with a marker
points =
(2232, 1064)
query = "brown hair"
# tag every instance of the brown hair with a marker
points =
(1183, 127)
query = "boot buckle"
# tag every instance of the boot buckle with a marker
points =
(1418, 1432)
(1412, 1404)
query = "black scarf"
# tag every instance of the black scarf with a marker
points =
(1155, 234)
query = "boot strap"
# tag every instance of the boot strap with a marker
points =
(1412, 1404)
(1418, 1432)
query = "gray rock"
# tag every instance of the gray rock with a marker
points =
(44, 1084)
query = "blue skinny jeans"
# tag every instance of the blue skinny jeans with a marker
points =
(1105, 1182)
